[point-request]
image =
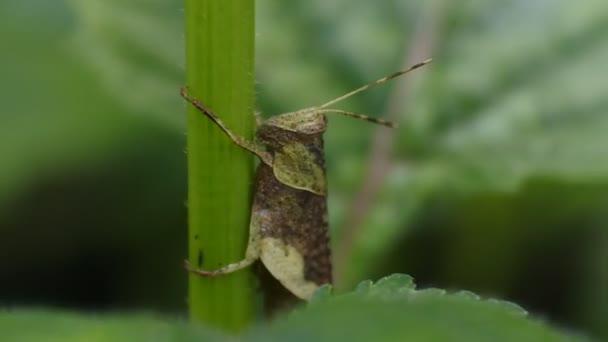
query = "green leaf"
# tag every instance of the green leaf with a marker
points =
(72, 95)
(393, 310)
(389, 310)
(393, 285)
(138, 47)
(47, 325)
(513, 93)
(54, 114)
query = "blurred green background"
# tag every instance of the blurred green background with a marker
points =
(496, 182)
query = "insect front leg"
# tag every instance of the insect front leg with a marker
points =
(242, 142)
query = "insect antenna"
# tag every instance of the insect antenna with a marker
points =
(382, 122)
(375, 83)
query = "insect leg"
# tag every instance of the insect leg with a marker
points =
(220, 271)
(242, 142)
(251, 255)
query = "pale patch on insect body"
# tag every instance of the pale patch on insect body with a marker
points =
(286, 264)
(264, 220)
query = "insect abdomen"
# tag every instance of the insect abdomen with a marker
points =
(290, 222)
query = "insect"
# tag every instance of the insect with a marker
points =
(288, 227)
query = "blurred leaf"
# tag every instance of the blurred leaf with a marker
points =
(389, 310)
(592, 299)
(52, 117)
(514, 93)
(392, 310)
(44, 325)
(69, 86)
(137, 49)
(81, 175)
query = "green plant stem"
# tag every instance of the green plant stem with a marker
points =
(219, 72)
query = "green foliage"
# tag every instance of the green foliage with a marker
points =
(388, 310)
(41, 106)
(46, 325)
(505, 130)
(497, 107)
(125, 52)
(393, 310)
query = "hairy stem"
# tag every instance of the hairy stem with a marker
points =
(219, 73)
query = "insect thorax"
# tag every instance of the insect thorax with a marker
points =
(305, 126)
(295, 141)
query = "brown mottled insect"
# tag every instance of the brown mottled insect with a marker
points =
(288, 228)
